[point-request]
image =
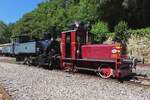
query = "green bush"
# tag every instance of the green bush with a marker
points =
(121, 26)
(145, 32)
(121, 32)
(100, 29)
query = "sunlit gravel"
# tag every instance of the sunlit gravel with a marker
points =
(33, 83)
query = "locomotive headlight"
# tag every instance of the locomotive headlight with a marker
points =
(114, 51)
(118, 51)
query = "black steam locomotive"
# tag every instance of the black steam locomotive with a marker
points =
(33, 51)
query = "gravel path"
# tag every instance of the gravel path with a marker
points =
(32, 83)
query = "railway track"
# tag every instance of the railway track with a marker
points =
(3, 94)
(141, 80)
(44, 84)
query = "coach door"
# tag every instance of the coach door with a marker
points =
(66, 45)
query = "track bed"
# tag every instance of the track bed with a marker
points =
(33, 83)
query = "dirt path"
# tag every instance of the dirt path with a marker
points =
(7, 59)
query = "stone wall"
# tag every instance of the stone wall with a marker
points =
(140, 47)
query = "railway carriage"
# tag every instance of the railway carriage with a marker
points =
(6, 49)
(31, 51)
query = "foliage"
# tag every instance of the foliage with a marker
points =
(135, 12)
(122, 26)
(144, 32)
(54, 16)
(121, 32)
(100, 29)
(4, 33)
(83, 11)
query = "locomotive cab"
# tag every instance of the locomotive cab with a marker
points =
(72, 41)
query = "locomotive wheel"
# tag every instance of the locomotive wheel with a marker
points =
(28, 61)
(105, 72)
(41, 61)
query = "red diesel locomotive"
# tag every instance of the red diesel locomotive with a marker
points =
(108, 60)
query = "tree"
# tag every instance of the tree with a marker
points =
(121, 30)
(54, 15)
(100, 29)
(5, 33)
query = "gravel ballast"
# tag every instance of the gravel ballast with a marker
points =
(143, 70)
(33, 83)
